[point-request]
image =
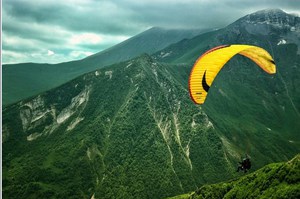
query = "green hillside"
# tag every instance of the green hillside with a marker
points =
(129, 130)
(277, 180)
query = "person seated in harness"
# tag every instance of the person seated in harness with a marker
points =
(245, 164)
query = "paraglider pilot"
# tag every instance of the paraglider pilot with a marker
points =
(245, 164)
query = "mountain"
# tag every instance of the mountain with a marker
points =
(125, 131)
(27, 79)
(277, 180)
(269, 21)
(130, 130)
(266, 28)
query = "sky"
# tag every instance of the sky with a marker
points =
(52, 31)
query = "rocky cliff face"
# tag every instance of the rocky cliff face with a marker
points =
(36, 113)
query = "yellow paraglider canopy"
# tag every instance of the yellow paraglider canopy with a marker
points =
(210, 63)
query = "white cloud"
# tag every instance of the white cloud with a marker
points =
(11, 56)
(50, 53)
(85, 38)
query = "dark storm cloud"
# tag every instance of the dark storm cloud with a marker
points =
(82, 27)
(123, 16)
(200, 13)
(96, 16)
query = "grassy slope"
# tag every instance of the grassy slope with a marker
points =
(276, 180)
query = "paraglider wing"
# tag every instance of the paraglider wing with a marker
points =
(210, 63)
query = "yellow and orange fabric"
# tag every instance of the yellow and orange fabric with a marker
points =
(210, 63)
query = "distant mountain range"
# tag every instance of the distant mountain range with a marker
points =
(129, 130)
(23, 80)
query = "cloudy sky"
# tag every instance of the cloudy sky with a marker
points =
(53, 31)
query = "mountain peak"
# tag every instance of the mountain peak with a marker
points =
(271, 16)
(268, 20)
(270, 11)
